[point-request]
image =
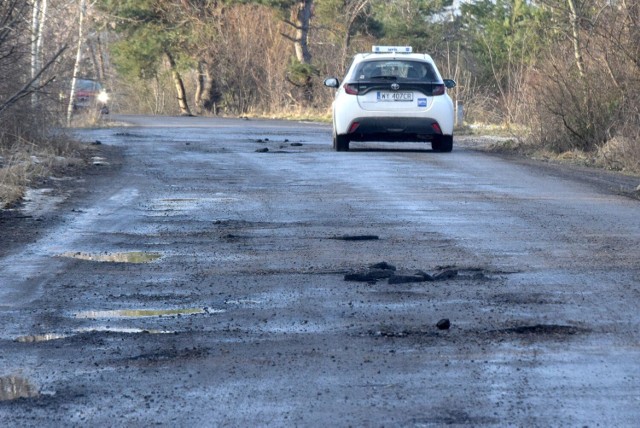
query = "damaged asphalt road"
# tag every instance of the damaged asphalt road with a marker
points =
(189, 280)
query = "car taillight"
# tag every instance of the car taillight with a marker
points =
(436, 128)
(351, 89)
(438, 90)
(353, 127)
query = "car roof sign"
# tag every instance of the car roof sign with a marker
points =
(391, 49)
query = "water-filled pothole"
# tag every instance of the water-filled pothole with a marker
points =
(14, 387)
(125, 257)
(145, 313)
(36, 338)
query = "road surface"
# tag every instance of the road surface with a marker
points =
(218, 272)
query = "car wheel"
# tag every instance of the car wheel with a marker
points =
(340, 143)
(442, 143)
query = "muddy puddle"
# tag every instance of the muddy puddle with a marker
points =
(36, 338)
(124, 330)
(145, 313)
(39, 338)
(125, 257)
(14, 387)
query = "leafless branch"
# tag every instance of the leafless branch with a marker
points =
(31, 86)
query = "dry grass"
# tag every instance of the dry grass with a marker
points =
(295, 113)
(27, 156)
(620, 154)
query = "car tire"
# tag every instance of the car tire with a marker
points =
(340, 143)
(442, 143)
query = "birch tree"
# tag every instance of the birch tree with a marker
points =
(76, 66)
(38, 20)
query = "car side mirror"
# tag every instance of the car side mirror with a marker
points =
(449, 83)
(331, 82)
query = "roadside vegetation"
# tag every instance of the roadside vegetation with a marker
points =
(561, 77)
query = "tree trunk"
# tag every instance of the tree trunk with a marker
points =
(300, 19)
(575, 31)
(211, 96)
(177, 80)
(39, 16)
(200, 82)
(76, 67)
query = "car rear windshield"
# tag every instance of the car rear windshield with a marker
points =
(88, 85)
(396, 70)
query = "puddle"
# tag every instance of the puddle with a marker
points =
(36, 338)
(145, 313)
(129, 257)
(14, 387)
(99, 161)
(106, 329)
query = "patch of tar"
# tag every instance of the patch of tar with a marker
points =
(126, 257)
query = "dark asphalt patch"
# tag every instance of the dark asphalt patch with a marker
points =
(368, 275)
(169, 355)
(452, 417)
(402, 333)
(356, 238)
(549, 330)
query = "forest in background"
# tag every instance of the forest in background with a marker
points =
(559, 75)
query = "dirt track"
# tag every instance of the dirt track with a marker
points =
(194, 278)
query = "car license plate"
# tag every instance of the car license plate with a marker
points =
(395, 96)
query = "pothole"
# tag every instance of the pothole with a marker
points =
(15, 387)
(145, 313)
(39, 338)
(36, 338)
(125, 330)
(541, 330)
(125, 257)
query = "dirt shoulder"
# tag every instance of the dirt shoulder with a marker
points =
(605, 181)
(52, 197)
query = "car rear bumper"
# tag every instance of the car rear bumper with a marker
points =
(393, 129)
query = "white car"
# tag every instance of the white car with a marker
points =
(392, 94)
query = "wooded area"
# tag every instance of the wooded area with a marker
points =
(559, 74)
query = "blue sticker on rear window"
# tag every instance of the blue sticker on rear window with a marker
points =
(422, 102)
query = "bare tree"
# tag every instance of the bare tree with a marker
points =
(39, 16)
(300, 20)
(76, 67)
